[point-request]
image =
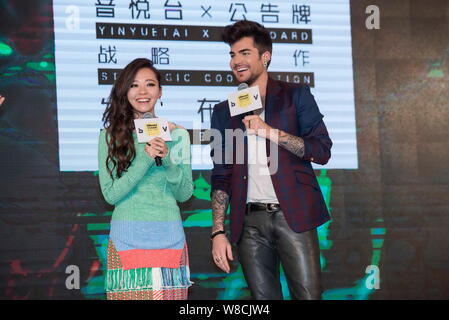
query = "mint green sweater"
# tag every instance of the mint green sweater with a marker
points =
(146, 214)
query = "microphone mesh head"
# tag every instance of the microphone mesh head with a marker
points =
(148, 115)
(243, 86)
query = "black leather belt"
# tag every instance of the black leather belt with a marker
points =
(268, 207)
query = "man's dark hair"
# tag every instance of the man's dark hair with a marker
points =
(245, 28)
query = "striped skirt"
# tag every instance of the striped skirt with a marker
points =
(146, 283)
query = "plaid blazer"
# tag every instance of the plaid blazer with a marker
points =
(291, 108)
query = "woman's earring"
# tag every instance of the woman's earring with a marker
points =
(265, 63)
(162, 103)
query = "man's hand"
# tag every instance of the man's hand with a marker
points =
(2, 99)
(221, 252)
(255, 125)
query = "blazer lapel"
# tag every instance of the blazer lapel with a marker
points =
(237, 123)
(272, 104)
(272, 100)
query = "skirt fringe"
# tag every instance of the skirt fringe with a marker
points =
(146, 283)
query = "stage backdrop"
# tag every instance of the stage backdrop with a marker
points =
(383, 92)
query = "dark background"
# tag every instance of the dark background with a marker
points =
(51, 219)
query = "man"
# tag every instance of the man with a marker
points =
(273, 216)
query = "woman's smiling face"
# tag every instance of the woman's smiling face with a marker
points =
(144, 92)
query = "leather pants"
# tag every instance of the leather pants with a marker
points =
(267, 241)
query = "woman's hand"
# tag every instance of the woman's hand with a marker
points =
(156, 148)
(172, 126)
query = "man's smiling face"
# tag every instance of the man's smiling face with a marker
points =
(246, 62)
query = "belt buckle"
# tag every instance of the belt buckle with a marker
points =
(272, 207)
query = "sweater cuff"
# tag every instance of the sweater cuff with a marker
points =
(166, 161)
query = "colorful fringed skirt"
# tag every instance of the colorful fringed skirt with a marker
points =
(146, 283)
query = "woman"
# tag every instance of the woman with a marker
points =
(147, 252)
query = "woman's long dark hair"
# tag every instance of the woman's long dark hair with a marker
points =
(118, 118)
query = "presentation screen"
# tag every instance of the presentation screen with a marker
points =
(94, 40)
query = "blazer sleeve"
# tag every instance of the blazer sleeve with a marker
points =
(312, 128)
(115, 190)
(222, 169)
(179, 167)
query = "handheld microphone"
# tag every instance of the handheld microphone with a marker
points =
(244, 101)
(150, 115)
(244, 86)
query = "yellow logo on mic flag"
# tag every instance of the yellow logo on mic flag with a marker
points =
(153, 129)
(244, 100)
